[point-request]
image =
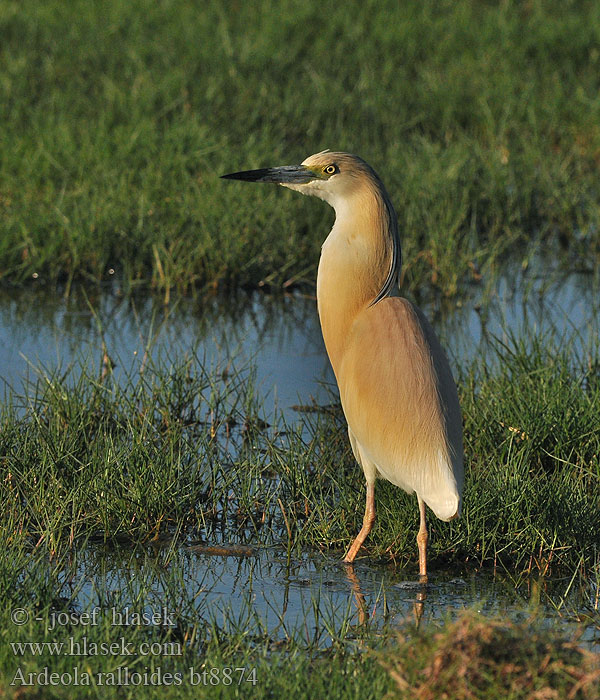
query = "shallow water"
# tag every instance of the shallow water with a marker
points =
(279, 337)
(314, 599)
(311, 598)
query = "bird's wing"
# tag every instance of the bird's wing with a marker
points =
(401, 404)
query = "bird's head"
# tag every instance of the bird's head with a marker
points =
(332, 176)
(351, 187)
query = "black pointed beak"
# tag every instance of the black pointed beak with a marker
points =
(286, 174)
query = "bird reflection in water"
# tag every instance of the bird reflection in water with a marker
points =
(361, 601)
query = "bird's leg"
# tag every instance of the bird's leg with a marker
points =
(368, 520)
(422, 538)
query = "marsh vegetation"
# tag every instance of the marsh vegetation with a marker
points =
(155, 480)
(481, 119)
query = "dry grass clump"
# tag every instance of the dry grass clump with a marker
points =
(476, 657)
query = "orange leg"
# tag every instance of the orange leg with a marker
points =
(368, 520)
(422, 538)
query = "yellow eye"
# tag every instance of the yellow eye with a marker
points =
(330, 169)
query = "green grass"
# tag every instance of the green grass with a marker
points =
(183, 449)
(117, 118)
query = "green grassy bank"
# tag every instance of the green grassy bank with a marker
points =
(117, 118)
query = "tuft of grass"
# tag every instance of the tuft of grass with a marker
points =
(482, 119)
(477, 657)
(533, 454)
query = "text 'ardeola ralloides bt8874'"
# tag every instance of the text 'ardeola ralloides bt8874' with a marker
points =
(395, 383)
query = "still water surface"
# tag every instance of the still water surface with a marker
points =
(279, 337)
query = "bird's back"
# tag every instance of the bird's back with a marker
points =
(401, 404)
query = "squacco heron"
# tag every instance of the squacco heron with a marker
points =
(395, 383)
